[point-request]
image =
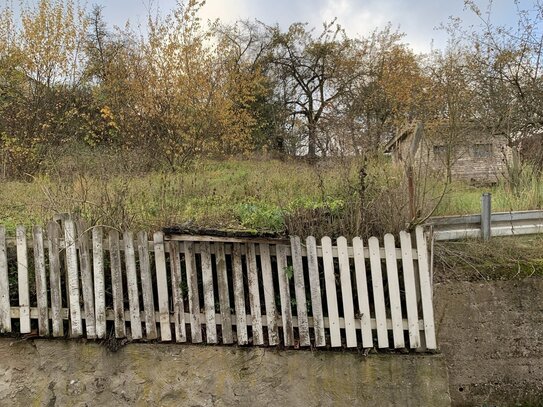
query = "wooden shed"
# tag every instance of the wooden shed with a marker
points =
(469, 155)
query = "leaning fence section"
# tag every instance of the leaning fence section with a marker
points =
(73, 280)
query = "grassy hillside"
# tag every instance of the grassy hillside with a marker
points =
(250, 194)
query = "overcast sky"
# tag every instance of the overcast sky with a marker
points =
(418, 19)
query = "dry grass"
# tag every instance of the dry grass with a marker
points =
(501, 258)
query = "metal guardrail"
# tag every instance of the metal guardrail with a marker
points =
(473, 226)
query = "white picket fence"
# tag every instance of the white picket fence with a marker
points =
(217, 290)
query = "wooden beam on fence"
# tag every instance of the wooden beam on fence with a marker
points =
(299, 288)
(162, 287)
(209, 297)
(254, 295)
(147, 287)
(394, 291)
(284, 295)
(224, 295)
(362, 291)
(194, 296)
(132, 285)
(378, 293)
(5, 317)
(99, 281)
(87, 282)
(22, 279)
(346, 292)
(177, 294)
(239, 295)
(117, 283)
(331, 292)
(410, 290)
(315, 284)
(53, 242)
(41, 281)
(269, 294)
(426, 289)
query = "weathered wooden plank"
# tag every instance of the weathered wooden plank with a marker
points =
(87, 282)
(410, 290)
(41, 281)
(299, 288)
(117, 283)
(394, 291)
(147, 287)
(72, 273)
(53, 242)
(22, 280)
(209, 298)
(331, 294)
(426, 290)
(132, 285)
(239, 295)
(224, 295)
(99, 281)
(177, 294)
(194, 296)
(284, 294)
(162, 287)
(5, 317)
(269, 294)
(378, 293)
(346, 292)
(254, 295)
(315, 284)
(362, 290)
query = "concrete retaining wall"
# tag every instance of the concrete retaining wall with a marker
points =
(72, 373)
(491, 334)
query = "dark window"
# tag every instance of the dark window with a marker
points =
(440, 151)
(482, 150)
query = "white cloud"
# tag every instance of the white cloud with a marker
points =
(227, 11)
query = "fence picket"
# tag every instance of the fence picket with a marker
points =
(299, 287)
(284, 294)
(254, 295)
(87, 282)
(99, 281)
(178, 303)
(117, 284)
(239, 295)
(224, 295)
(362, 291)
(53, 242)
(331, 294)
(209, 299)
(394, 291)
(269, 294)
(378, 293)
(410, 290)
(5, 312)
(147, 287)
(72, 274)
(315, 284)
(162, 286)
(22, 280)
(426, 290)
(41, 281)
(346, 292)
(132, 285)
(194, 296)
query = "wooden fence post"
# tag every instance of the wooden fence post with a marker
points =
(486, 211)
